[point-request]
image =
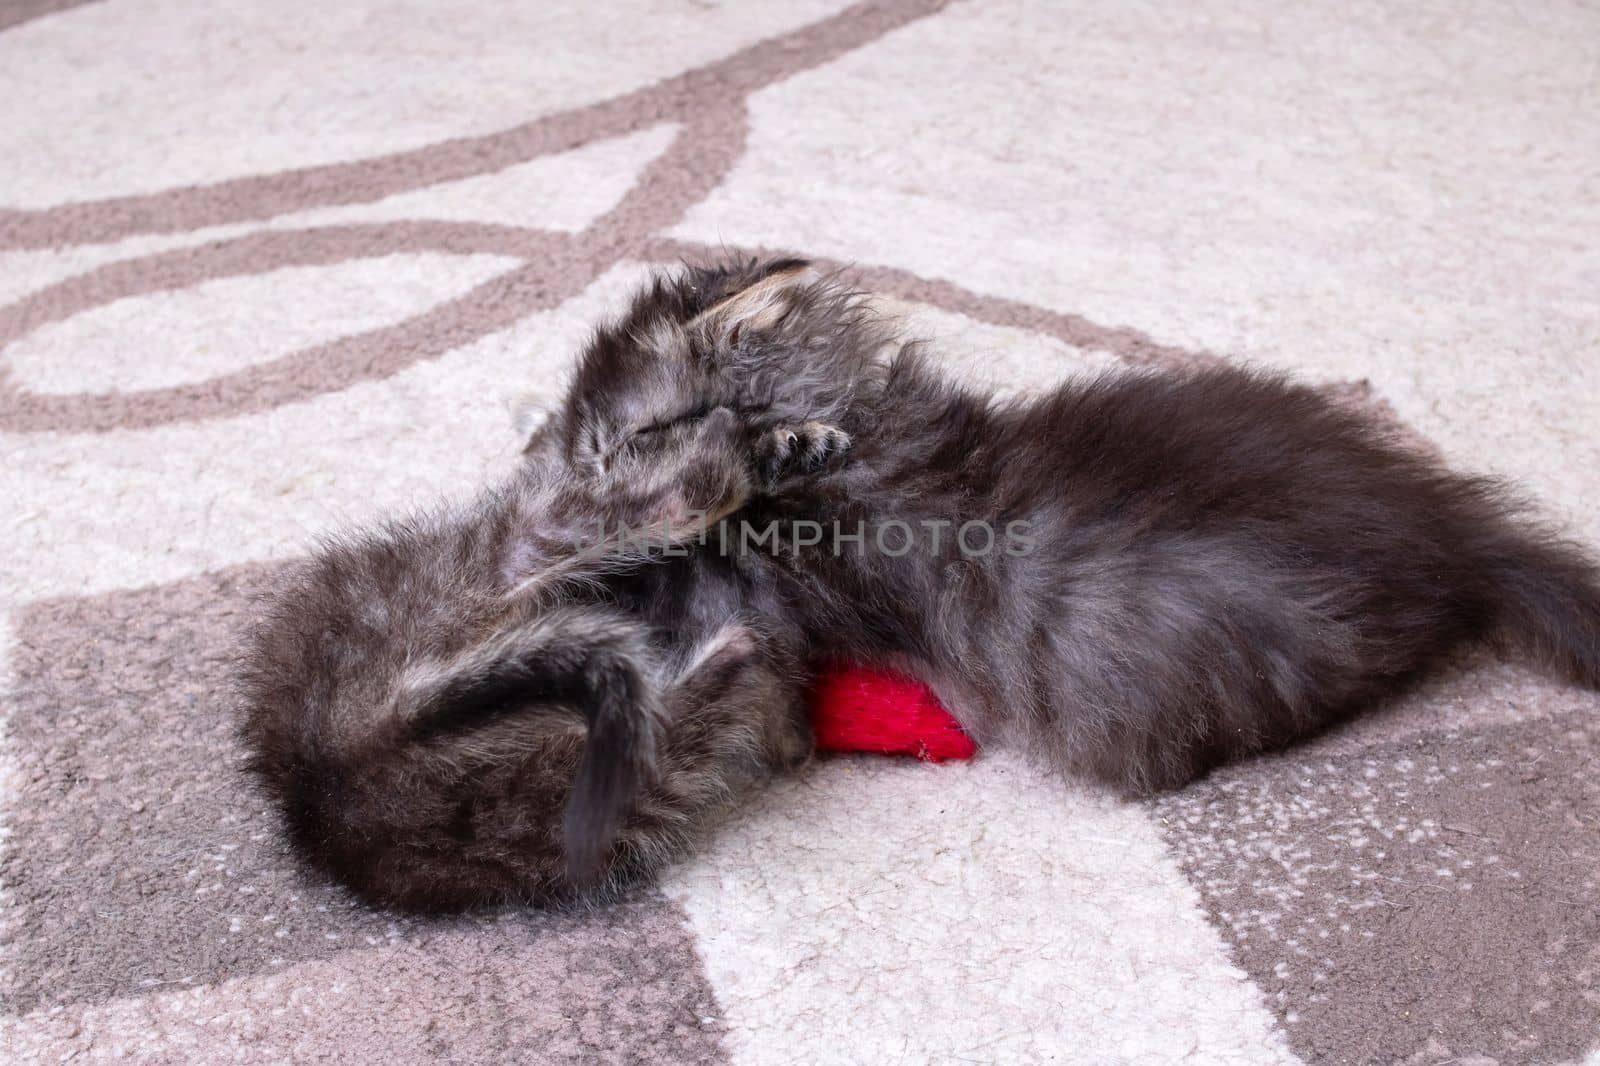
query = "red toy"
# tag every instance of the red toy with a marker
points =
(854, 709)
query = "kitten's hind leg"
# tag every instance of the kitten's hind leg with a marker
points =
(746, 681)
(735, 716)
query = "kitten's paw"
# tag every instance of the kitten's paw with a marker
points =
(801, 449)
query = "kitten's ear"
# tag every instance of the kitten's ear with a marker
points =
(756, 307)
(530, 416)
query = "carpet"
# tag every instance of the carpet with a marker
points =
(268, 270)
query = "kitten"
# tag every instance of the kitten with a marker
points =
(501, 703)
(1183, 568)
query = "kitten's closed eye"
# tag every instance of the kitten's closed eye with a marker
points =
(661, 425)
(697, 414)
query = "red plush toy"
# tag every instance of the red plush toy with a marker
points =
(854, 709)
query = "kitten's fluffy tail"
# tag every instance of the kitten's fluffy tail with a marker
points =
(585, 661)
(1547, 603)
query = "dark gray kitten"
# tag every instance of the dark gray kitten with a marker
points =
(495, 703)
(1181, 568)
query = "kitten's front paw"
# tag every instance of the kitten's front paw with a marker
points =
(801, 449)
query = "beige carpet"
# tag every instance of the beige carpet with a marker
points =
(270, 268)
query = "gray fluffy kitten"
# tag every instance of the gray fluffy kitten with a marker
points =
(492, 704)
(1218, 562)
